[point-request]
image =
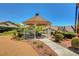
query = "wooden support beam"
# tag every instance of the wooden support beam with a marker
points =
(35, 31)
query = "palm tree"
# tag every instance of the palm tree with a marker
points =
(76, 19)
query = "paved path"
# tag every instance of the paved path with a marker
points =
(15, 48)
(61, 51)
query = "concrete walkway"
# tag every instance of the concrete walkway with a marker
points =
(61, 51)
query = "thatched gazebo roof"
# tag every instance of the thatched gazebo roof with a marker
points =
(36, 20)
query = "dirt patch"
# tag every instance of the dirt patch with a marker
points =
(41, 48)
(66, 43)
(10, 47)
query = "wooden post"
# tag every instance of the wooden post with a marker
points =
(24, 32)
(35, 31)
(49, 31)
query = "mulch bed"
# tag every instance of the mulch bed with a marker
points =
(42, 51)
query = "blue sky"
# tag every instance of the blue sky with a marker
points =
(59, 14)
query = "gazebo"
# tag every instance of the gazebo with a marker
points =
(37, 21)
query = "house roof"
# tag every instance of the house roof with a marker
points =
(54, 27)
(8, 23)
(69, 29)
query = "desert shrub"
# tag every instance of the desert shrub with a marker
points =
(0, 34)
(53, 33)
(12, 32)
(49, 54)
(40, 46)
(38, 34)
(8, 32)
(20, 34)
(34, 42)
(17, 34)
(4, 29)
(45, 51)
(5, 32)
(58, 32)
(75, 42)
(58, 37)
(69, 35)
(17, 38)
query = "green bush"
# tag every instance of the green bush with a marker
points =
(17, 34)
(58, 32)
(75, 42)
(69, 35)
(58, 37)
